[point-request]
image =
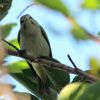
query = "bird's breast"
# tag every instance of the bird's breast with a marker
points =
(35, 46)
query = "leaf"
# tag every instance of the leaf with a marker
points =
(4, 7)
(17, 67)
(14, 42)
(92, 92)
(32, 86)
(26, 77)
(26, 82)
(78, 33)
(80, 91)
(91, 4)
(72, 91)
(59, 77)
(6, 29)
(95, 66)
(57, 5)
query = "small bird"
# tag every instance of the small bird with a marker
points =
(34, 41)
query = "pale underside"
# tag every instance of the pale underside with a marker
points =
(35, 45)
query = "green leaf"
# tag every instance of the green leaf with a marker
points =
(80, 91)
(32, 85)
(73, 91)
(26, 77)
(4, 7)
(57, 5)
(14, 42)
(91, 4)
(78, 33)
(17, 67)
(6, 29)
(26, 82)
(58, 77)
(92, 92)
(95, 66)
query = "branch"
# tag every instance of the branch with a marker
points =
(54, 65)
(91, 36)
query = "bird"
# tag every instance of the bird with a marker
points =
(33, 40)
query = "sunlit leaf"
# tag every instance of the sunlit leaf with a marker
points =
(17, 67)
(55, 5)
(91, 4)
(80, 91)
(14, 42)
(72, 91)
(4, 7)
(6, 29)
(95, 66)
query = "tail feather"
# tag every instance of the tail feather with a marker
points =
(43, 87)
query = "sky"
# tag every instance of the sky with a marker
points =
(58, 31)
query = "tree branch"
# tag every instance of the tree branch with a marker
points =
(91, 36)
(54, 65)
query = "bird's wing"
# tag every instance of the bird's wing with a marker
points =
(18, 37)
(47, 40)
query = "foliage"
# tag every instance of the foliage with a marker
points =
(4, 7)
(91, 4)
(80, 91)
(5, 29)
(79, 88)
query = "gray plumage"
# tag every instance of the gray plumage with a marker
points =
(33, 39)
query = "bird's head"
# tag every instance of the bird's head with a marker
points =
(29, 25)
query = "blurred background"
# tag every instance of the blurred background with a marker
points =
(60, 31)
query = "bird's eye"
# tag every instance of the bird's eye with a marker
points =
(21, 21)
(30, 17)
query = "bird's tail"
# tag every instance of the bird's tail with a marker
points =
(43, 87)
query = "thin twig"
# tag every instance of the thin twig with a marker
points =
(11, 45)
(72, 61)
(18, 50)
(54, 65)
(25, 9)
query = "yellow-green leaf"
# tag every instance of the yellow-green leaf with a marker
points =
(14, 42)
(55, 5)
(17, 67)
(95, 66)
(91, 4)
(6, 29)
(72, 91)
